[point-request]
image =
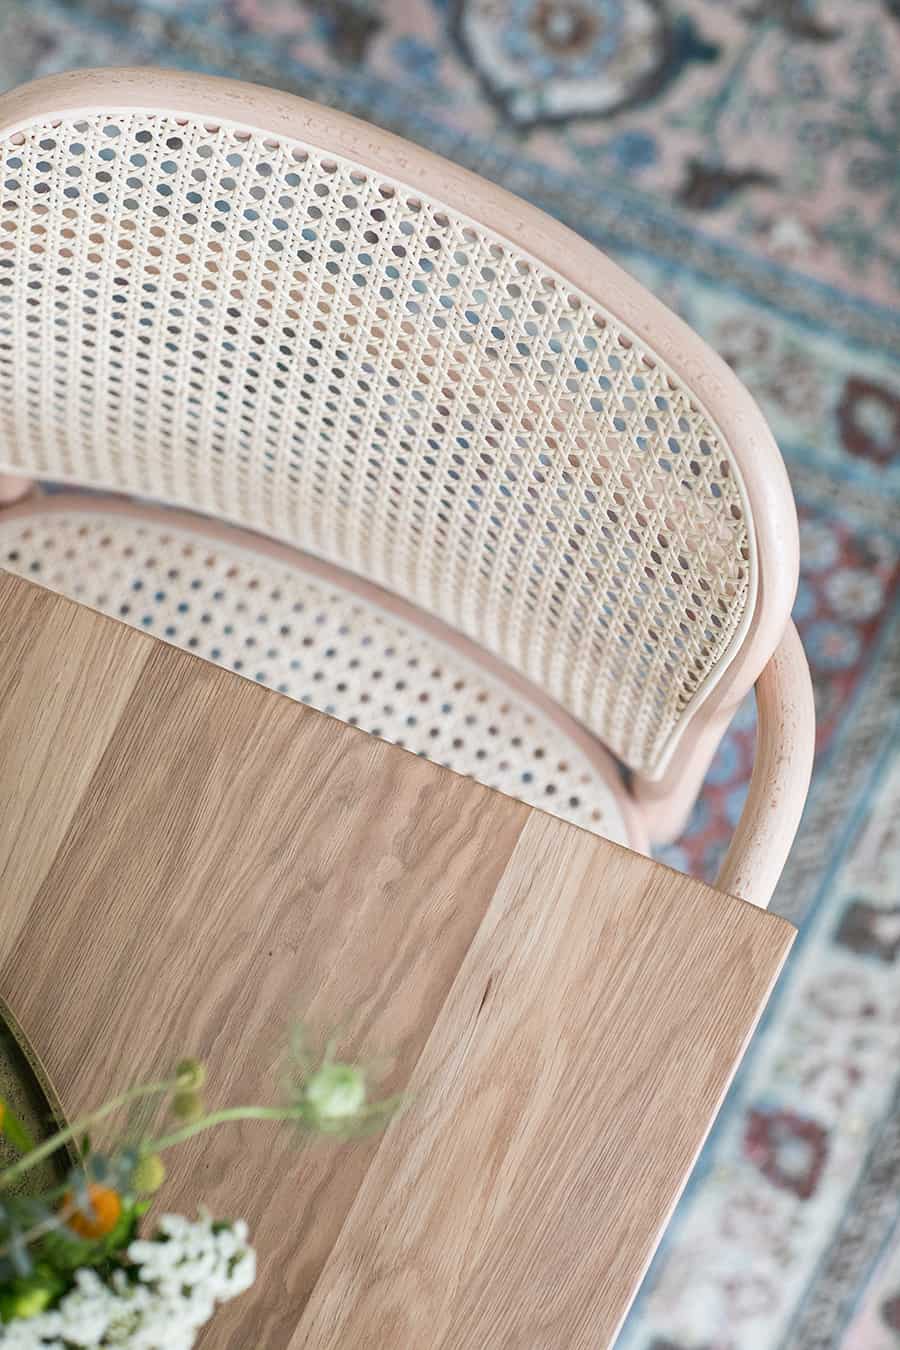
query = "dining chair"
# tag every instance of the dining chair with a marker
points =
(397, 444)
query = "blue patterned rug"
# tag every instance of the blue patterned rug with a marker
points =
(742, 157)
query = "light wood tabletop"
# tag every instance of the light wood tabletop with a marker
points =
(187, 861)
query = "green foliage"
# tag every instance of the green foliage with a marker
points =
(40, 1252)
(65, 1252)
(24, 1297)
(13, 1130)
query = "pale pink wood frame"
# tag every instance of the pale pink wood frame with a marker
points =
(665, 802)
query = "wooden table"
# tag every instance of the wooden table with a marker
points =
(188, 860)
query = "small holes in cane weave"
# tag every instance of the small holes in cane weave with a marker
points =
(323, 645)
(255, 330)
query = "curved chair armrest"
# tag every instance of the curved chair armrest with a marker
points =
(13, 489)
(785, 740)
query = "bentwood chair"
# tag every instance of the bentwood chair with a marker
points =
(548, 539)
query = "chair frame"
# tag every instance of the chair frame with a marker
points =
(765, 651)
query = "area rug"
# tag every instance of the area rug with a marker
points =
(742, 158)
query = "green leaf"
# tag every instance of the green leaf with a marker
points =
(26, 1297)
(14, 1130)
(124, 1231)
(65, 1251)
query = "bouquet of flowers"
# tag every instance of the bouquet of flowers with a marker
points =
(76, 1269)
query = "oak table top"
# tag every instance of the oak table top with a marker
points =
(187, 861)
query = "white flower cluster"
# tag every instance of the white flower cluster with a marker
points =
(182, 1273)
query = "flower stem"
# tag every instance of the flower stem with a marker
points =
(373, 1111)
(47, 1225)
(63, 1136)
(228, 1113)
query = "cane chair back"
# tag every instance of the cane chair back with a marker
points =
(229, 300)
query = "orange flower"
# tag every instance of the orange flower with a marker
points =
(102, 1216)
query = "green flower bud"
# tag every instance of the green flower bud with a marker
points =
(190, 1075)
(336, 1093)
(187, 1106)
(149, 1174)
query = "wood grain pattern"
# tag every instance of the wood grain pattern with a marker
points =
(197, 859)
(581, 1044)
(47, 756)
